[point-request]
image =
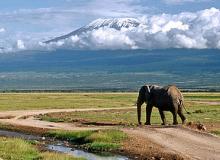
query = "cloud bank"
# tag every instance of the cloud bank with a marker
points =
(185, 30)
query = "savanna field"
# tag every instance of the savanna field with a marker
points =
(204, 108)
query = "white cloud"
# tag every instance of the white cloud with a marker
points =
(182, 41)
(111, 38)
(75, 39)
(175, 25)
(2, 30)
(185, 30)
(20, 44)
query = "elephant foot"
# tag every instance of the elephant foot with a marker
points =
(184, 122)
(147, 123)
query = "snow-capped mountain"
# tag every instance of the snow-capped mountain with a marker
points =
(151, 32)
(197, 30)
(116, 23)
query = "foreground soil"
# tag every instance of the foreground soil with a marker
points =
(143, 148)
(184, 142)
(154, 142)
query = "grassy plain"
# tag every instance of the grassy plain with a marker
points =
(200, 112)
(206, 113)
(24, 101)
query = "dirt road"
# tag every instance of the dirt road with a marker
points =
(26, 118)
(191, 144)
(177, 139)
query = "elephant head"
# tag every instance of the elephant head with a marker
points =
(144, 96)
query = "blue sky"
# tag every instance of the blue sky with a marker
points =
(42, 19)
(167, 6)
(81, 12)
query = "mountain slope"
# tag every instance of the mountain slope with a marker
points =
(110, 70)
(116, 23)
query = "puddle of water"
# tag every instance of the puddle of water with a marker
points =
(83, 154)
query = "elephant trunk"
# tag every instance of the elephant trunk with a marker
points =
(140, 100)
(139, 111)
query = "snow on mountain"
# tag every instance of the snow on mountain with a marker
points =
(115, 23)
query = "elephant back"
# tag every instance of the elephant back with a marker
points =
(174, 92)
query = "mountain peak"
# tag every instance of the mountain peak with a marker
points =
(116, 23)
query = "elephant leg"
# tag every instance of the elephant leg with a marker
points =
(175, 122)
(148, 114)
(183, 118)
(163, 118)
(174, 112)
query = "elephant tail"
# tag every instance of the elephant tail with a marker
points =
(181, 103)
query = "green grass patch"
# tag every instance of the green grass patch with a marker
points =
(204, 113)
(18, 149)
(203, 96)
(217, 132)
(126, 116)
(111, 136)
(99, 140)
(102, 146)
(74, 137)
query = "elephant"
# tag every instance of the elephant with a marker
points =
(167, 98)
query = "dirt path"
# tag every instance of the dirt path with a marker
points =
(208, 102)
(26, 118)
(177, 139)
(191, 144)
